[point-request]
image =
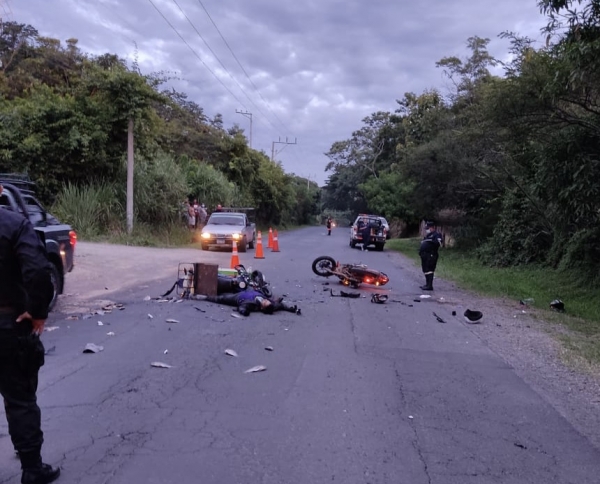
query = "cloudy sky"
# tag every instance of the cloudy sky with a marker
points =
(309, 71)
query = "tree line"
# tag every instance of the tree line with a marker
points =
(510, 164)
(63, 121)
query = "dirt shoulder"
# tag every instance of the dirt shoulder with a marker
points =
(519, 335)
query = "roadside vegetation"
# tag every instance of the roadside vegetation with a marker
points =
(532, 282)
(65, 115)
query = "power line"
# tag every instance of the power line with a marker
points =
(196, 54)
(222, 65)
(242, 67)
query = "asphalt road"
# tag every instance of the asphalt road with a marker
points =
(354, 392)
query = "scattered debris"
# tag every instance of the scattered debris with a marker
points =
(87, 316)
(236, 315)
(110, 333)
(410, 417)
(379, 298)
(353, 295)
(197, 308)
(401, 302)
(51, 328)
(72, 318)
(558, 305)
(527, 301)
(100, 323)
(150, 316)
(147, 298)
(416, 300)
(520, 446)
(159, 364)
(256, 369)
(92, 348)
(425, 296)
(230, 352)
(170, 320)
(473, 317)
(50, 350)
(165, 352)
(453, 313)
(325, 284)
(439, 320)
(269, 348)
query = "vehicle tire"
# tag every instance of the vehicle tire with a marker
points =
(56, 279)
(244, 245)
(322, 265)
(204, 247)
(251, 245)
(379, 247)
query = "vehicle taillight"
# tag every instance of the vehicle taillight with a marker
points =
(72, 238)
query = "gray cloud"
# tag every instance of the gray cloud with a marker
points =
(320, 65)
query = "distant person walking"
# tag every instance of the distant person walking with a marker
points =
(428, 251)
(329, 223)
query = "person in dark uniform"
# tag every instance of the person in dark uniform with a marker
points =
(25, 294)
(249, 301)
(329, 222)
(428, 251)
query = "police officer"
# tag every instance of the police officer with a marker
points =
(25, 294)
(428, 251)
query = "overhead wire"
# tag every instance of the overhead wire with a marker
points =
(222, 65)
(241, 66)
(196, 54)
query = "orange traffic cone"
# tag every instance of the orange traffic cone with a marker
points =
(235, 259)
(270, 241)
(258, 253)
(275, 243)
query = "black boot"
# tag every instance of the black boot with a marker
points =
(428, 283)
(43, 474)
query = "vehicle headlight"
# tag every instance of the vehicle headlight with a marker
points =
(236, 236)
(205, 235)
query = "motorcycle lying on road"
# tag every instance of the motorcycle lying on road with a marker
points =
(242, 281)
(349, 274)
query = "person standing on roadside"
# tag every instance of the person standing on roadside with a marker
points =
(428, 251)
(26, 291)
(329, 222)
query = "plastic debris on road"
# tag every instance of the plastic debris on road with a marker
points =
(235, 315)
(150, 316)
(170, 320)
(51, 328)
(92, 348)
(473, 317)
(256, 369)
(147, 298)
(231, 352)
(110, 333)
(425, 296)
(439, 320)
(100, 323)
(269, 348)
(159, 364)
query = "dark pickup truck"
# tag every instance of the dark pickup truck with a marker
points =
(60, 239)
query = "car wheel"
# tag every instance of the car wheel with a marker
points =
(243, 245)
(56, 285)
(251, 245)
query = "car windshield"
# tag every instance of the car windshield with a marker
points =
(226, 220)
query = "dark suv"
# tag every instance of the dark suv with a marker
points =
(377, 232)
(60, 239)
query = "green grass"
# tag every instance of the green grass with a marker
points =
(148, 236)
(542, 284)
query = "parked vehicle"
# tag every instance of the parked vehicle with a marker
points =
(59, 239)
(227, 225)
(377, 234)
(349, 274)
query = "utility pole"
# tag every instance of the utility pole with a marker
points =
(286, 142)
(130, 176)
(248, 115)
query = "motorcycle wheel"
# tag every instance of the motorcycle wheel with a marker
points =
(322, 266)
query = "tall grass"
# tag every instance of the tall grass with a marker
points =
(89, 209)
